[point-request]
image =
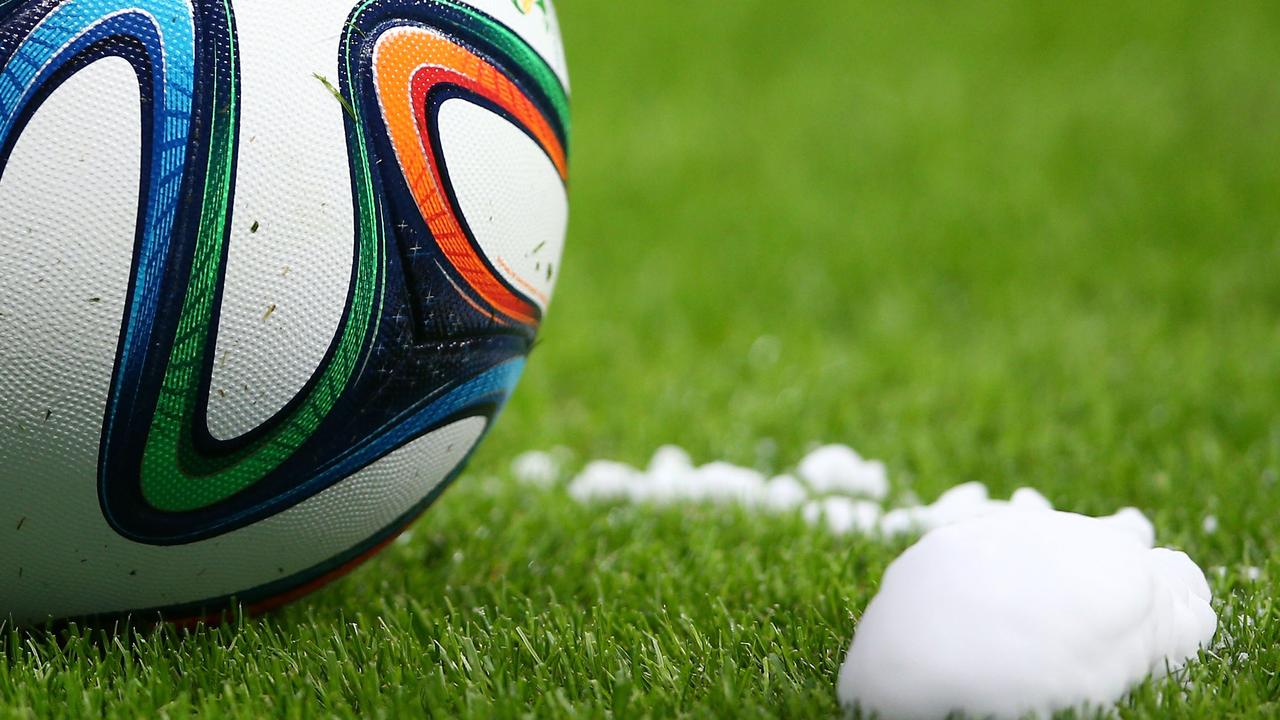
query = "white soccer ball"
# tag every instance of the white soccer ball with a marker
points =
(268, 270)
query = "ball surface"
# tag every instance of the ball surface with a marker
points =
(268, 271)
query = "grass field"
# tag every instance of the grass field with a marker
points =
(1006, 242)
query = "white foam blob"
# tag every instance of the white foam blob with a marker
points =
(840, 469)
(669, 463)
(960, 503)
(1136, 524)
(844, 515)
(1030, 499)
(604, 481)
(538, 468)
(784, 493)
(671, 477)
(1024, 611)
(1005, 608)
(723, 483)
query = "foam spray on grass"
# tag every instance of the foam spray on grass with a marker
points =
(1003, 608)
(1025, 611)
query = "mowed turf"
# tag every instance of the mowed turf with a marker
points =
(982, 241)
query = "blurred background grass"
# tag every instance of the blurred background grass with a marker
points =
(1015, 243)
(1021, 243)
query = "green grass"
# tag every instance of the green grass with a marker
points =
(993, 241)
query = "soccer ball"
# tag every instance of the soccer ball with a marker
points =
(269, 269)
